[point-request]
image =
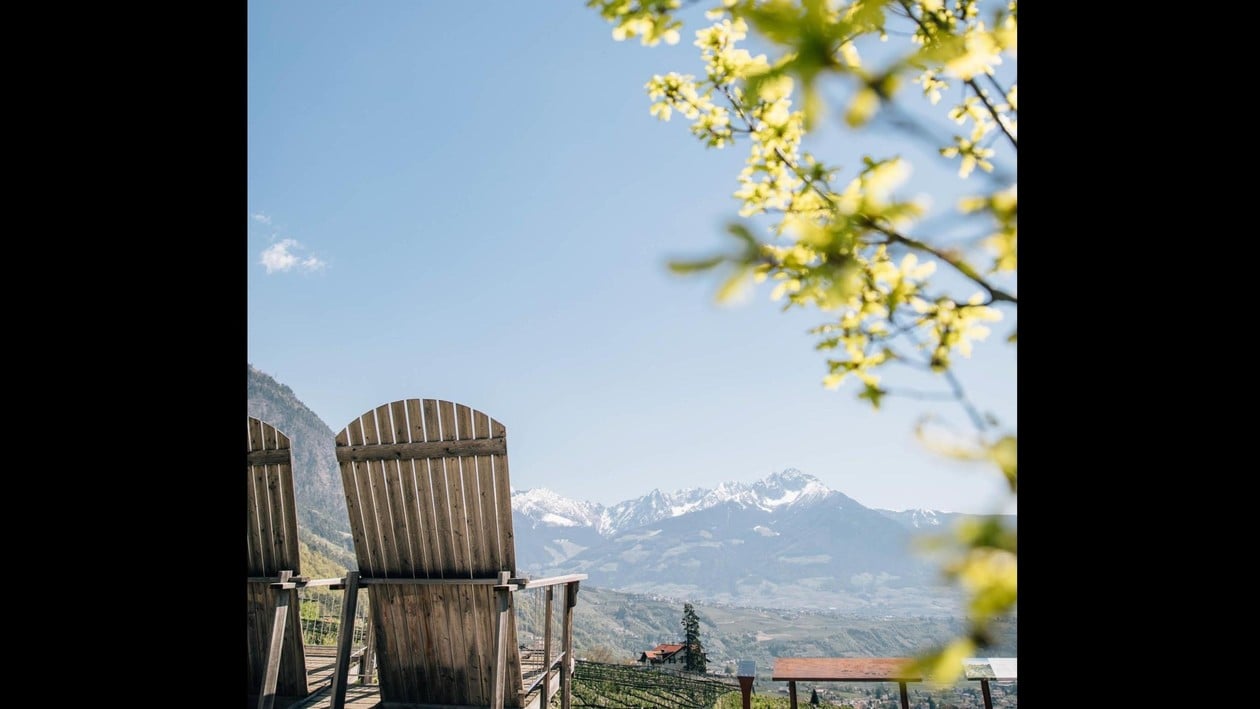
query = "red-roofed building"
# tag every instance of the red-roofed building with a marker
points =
(668, 654)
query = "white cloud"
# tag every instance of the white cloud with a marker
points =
(261, 218)
(282, 257)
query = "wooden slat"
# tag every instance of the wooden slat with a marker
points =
(461, 526)
(290, 549)
(401, 487)
(383, 617)
(283, 504)
(377, 429)
(373, 427)
(436, 428)
(457, 562)
(427, 424)
(350, 488)
(358, 501)
(506, 560)
(293, 665)
(420, 615)
(503, 504)
(416, 602)
(432, 449)
(438, 416)
(363, 521)
(465, 521)
(479, 487)
(270, 564)
(273, 530)
(257, 618)
(482, 505)
(265, 457)
(410, 542)
(255, 561)
(413, 657)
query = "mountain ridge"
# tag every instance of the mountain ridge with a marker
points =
(785, 539)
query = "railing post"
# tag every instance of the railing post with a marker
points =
(345, 639)
(545, 697)
(566, 673)
(367, 659)
(746, 673)
(499, 672)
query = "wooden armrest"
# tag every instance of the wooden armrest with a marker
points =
(553, 581)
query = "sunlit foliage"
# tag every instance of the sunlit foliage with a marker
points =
(894, 288)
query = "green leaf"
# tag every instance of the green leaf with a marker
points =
(734, 286)
(869, 13)
(873, 393)
(685, 267)
(863, 106)
(1006, 454)
(742, 232)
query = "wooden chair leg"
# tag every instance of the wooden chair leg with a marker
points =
(499, 669)
(271, 675)
(345, 639)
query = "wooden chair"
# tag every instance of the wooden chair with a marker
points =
(277, 674)
(427, 489)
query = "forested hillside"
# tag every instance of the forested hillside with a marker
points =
(322, 519)
(610, 626)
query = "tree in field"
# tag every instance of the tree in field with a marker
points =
(904, 284)
(694, 651)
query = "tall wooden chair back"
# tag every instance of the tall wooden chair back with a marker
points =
(426, 484)
(277, 663)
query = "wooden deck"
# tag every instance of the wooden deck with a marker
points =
(320, 662)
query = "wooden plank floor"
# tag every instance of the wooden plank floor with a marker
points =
(320, 664)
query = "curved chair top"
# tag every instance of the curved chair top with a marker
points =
(271, 526)
(427, 490)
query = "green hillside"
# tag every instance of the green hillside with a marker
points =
(617, 627)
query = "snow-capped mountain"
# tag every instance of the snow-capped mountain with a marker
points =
(549, 509)
(935, 520)
(540, 507)
(917, 519)
(783, 541)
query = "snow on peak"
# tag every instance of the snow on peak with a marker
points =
(548, 507)
(777, 490)
(788, 487)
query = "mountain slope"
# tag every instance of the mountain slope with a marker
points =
(323, 522)
(786, 541)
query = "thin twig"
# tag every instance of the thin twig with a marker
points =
(961, 396)
(997, 117)
(960, 265)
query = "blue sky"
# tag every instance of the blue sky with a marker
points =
(471, 202)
